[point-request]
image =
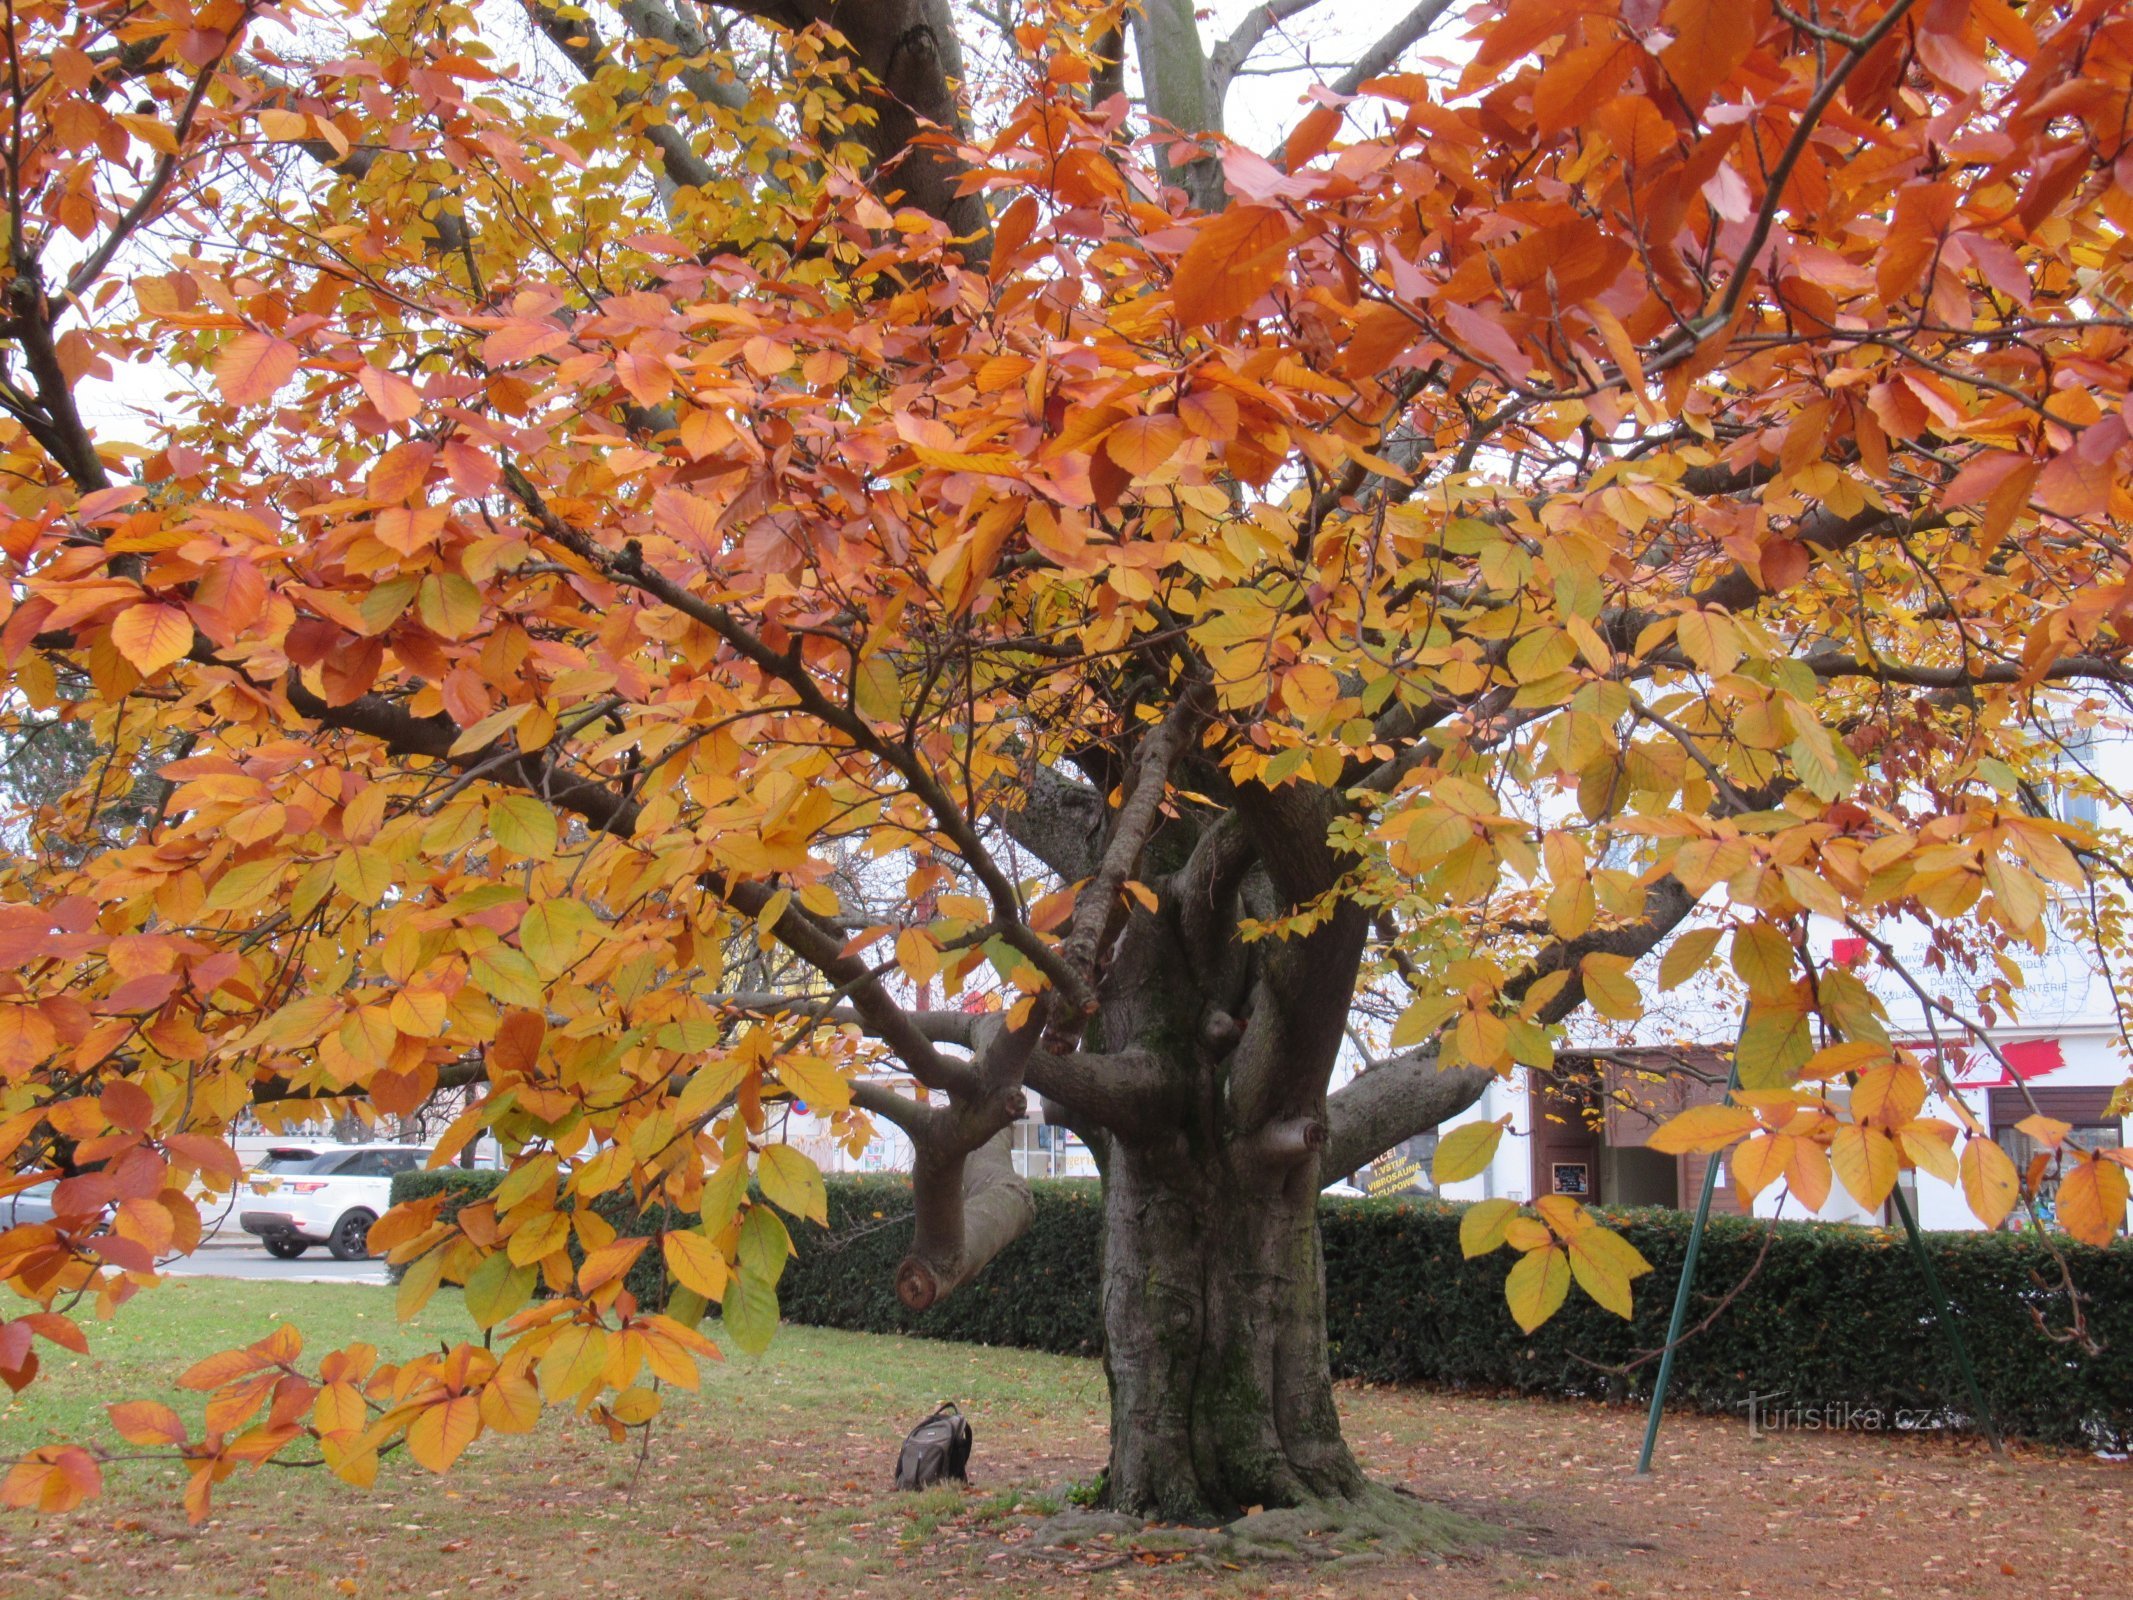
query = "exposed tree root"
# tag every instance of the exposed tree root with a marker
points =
(1381, 1524)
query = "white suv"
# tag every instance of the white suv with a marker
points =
(331, 1197)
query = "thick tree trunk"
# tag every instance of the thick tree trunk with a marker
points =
(1215, 1345)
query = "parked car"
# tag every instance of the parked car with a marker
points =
(30, 1205)
(329, 1196)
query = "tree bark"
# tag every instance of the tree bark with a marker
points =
(1214, 1302)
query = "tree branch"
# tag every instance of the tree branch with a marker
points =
(1392, 1102)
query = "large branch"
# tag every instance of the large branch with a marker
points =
(910, 51)
(1124, 1091)
(1139, 815)
(970, 1207)
(1390, 1103)
(1058, 821)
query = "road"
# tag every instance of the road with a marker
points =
(242, 1256)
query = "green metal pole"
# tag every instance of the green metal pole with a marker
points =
(1681, 1292)
(1947, 1321)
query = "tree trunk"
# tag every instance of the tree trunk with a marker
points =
(1214, 1301)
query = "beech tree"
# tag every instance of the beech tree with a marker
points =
(682, 535)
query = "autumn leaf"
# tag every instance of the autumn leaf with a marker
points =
(695, 1263)
(1141, 444)
(792, 1182)
(1537, 1285)
(1579, 81)
(1465, 1152)
(443, 1430)
(1702, 1128)
(2092, 1200)
(1990, 1184)
(147, 1422)
(1234, 258)
(51, 1479)
(152, 636)
(253, 366)
(1481, 1226)
(1865, 1163)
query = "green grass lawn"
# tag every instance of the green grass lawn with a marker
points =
(775, 1481)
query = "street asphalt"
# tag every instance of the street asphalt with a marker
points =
(231, 1254)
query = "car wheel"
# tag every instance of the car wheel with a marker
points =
(351, 1236)
(285, 1249)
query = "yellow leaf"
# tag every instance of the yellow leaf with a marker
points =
(1929, 1144)
(420, 1013)
(1759, 1162)
(284, 126)
(1610, 988)
(510, 1404)
(1481, 1228)
(696, 1263)
(1537, 1284)
(1990, 1184)
(1599, 1273)
(793, 1183)
(497, 1288)
(437, 1437)
(1465, 1151)
(1763, 958)
(1702, 1128)
(1865, 1160)
(635, 1405)
(523, 825)
(1686, 956)
(552, 934)
(1889, 1095)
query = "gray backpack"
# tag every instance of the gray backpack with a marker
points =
(936, 1449)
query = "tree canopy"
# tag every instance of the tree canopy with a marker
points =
(682, 537)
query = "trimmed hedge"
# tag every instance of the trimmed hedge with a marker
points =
(1836, 1317)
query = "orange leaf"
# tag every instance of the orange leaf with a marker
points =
(152, 636)
(609, 1262)
(522, 341)
(1233, 260)
(252, 366)
(1578, 82)
(1141, 444)
(148, 1422)
(1923, 212)
(52, 1478)
(395, 398)
(2092, 1201)
(1711, 38)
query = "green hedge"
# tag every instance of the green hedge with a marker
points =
(1836, 1317)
